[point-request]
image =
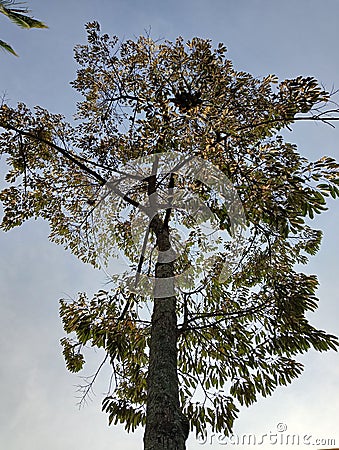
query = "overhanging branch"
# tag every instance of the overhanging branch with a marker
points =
(77, 161)
(317, 117)
(59, 149)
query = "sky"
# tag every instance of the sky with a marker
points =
(38, 396)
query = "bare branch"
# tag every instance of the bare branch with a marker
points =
(87, 388)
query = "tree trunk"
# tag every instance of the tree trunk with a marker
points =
(166, 426)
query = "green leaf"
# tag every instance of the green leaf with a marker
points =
(21, 20)
(7, 47)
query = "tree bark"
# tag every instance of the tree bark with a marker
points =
(166, 426)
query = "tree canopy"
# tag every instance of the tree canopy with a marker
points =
(232, 338)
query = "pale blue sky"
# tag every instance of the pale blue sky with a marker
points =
(288, 38)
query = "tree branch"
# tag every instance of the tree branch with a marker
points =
(60, 150)
(293, 119)
(76, 160)
(88, 387)
(225, 316)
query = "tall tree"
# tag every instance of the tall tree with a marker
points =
(17, 15)
(221, 337)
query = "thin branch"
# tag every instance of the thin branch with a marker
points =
(292, 119)
(124, 311)
(60, 150)
(77, 160)
(142, 256)
(87, 388)
(202, 383)
(225, 316)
